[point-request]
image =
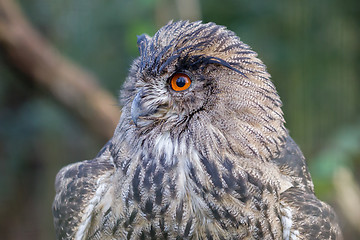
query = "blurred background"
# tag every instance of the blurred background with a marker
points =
(311, 49)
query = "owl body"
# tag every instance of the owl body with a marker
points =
(200, 152)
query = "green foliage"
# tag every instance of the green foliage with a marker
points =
(342, 150)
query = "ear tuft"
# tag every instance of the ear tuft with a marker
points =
(142, 41)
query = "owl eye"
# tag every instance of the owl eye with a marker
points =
(180, 82)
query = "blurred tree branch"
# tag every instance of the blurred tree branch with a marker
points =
(348, 196)
(73, 87)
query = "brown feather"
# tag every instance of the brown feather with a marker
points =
(211, 162)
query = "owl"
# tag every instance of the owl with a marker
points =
(200, 152)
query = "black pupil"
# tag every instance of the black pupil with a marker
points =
(180, 82)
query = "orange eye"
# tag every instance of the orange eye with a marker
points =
(180, 82)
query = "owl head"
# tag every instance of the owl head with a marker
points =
(200, 82)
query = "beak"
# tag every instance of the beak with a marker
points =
(137, 107)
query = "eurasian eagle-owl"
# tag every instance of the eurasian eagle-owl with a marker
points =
(200, 152)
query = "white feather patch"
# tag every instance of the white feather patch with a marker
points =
(287, 222)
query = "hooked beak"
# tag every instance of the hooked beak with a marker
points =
(138, 109)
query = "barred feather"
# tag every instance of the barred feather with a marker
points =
(212, 162)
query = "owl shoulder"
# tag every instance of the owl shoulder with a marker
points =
(304, 216)
(292, 164)
(79, 188)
